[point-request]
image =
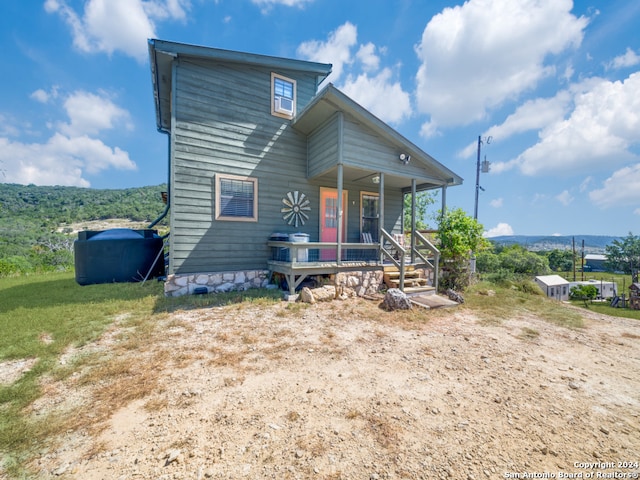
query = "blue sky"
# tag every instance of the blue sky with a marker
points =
(551, 86)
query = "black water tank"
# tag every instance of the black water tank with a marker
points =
(117, 255)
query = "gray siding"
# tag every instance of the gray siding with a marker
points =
(323, 147)
(224, 125)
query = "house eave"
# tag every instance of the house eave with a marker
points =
(162, 54)
(331, 100)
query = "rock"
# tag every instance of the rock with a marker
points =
(573, 386)
(324, 294)
(173, 456)
(455, 296)
(61, 470)
(307, 296)
(395, 299)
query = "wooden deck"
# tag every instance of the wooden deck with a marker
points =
(299, 260)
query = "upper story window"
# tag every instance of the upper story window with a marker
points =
(236, 198)
(283, 95)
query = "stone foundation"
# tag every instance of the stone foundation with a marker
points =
(177, 285)
(362, 283)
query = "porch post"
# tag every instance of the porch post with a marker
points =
(340, 214)
(413, 220)
(444, 200)
(381, 211)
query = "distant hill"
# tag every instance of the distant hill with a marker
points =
(38, 224)
(535, 243)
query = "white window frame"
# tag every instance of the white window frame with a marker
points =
(274, 111)
(230, 218)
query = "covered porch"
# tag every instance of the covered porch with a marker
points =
(297, 261)
(363, 169)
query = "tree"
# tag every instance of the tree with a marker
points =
(423, 200)
(624, 255)
(513, 259)
(560, 260)
(584, 293)
(459, 236)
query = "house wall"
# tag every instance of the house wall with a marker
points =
(223, 124)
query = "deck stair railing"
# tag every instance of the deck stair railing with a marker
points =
(391, 250)
(419, 246)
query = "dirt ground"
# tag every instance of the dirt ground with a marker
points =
(345, 390)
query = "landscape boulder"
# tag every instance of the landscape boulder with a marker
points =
(455, 296)
(395, 299)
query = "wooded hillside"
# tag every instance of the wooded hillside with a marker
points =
(37, 223)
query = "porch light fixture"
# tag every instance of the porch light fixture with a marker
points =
(404, 158)
(375, 179)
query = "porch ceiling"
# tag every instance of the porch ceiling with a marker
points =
(364, 179)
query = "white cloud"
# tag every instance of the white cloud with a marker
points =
(565, 198)
(60, 161)
(586, 183)
(499, 230)
(267, 5)
(377, 91)
(90, 113)
(117, 25)
(380, 95)
(620, 189)
(72, 152)
(40, 96)
(531, 115)
(476, 56)
(496, 202)
(599, 132)
(336, 50)
(367, 56)
(629, 59)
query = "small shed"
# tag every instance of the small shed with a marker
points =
(594, 262)
(634, 296)
(554, 286)
(605, 289)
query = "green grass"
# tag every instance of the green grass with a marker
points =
(42, 316)
(515, 299)
(604, 308)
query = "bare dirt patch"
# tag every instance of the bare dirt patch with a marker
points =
(345, 390)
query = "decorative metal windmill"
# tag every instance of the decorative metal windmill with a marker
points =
(295, 206)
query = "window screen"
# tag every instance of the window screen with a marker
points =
(236, 198)
(282, 88)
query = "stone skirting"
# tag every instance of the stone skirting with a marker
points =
(361, 282)
(177, 285)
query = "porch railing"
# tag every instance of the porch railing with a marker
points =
(420, 251)
(305, 258)
(420, 245)
(303, 253)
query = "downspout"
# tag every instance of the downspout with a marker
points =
(156, 83)
(168, 205)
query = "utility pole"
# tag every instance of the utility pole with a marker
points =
(485, 169)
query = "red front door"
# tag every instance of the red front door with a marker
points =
(329, 219)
